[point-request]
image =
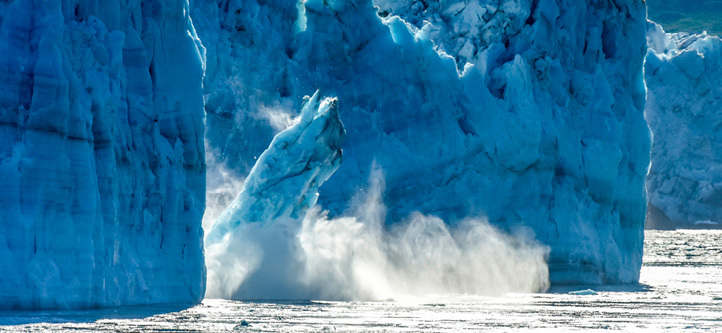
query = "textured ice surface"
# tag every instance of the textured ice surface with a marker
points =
(284, 182)
(684, 110)
(267, 245)
(258, 226)
(465, 28)
(544, 127)
(101, 154)
(246, 87)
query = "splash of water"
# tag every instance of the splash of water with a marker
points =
(358, 257)
(222, 186)
(279, 116)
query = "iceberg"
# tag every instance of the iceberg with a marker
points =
(526, 113)
(684, 82)
(102, 165)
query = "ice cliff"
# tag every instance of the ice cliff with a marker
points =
(684, 110)
(524, 113)
(528, 113)
(101, 154)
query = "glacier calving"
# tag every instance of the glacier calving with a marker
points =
(274, 243)
(279, 190)
(246, 99)
(102, 165)
(284, 182)
(524, 113)
(535, 120)
(684, 110)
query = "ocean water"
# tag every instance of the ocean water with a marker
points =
(680, 289)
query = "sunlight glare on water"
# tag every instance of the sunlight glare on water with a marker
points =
(679, 290)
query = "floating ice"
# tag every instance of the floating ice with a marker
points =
(586, 292)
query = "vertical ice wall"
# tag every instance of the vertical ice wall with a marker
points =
(526, 112)
(101, 154)
(684, 110)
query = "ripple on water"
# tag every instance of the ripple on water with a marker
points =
(680, 289)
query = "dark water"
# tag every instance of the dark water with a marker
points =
(693, 16)
(680, 290)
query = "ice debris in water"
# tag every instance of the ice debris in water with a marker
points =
(585, 292)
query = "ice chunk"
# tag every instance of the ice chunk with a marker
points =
(279, 190)
(586, 292)
(284, 182)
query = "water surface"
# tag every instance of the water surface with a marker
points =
(680, 289)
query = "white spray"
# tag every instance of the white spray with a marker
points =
(359, 258)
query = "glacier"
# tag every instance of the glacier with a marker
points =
(684, 81)
(274, 242)
(535, 121)
(515, 122)
(102, 165)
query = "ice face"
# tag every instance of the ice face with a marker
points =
(684, 81)
(101, 154)
(247, 70)
(247, 99)
(543, 128)
(465, 28)
(101, 113)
